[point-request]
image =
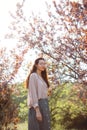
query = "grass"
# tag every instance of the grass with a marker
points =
(23, 126)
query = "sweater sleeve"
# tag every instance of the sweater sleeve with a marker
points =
(33, 97)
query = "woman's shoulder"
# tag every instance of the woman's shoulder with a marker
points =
(33, 74)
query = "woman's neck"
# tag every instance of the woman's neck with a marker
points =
(38, 72)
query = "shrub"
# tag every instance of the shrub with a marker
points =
(21, 100)
(8, 109)
(67, 108)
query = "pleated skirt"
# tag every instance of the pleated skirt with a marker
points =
(33, 123)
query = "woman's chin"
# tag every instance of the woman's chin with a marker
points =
(42, 69)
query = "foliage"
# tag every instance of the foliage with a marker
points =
(21, 100)
(8, 109)
(67, 108)
(22, 126)
(10, 62)
(62, 36)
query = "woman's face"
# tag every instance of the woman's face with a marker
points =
(41, 66)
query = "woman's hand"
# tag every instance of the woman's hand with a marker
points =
(38, 114)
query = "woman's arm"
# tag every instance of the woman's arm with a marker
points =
(33, 96)
(33, 90)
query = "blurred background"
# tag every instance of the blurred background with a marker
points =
(57, 31)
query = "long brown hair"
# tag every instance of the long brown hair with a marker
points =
(34, 69)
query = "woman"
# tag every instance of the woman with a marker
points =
(37, 82)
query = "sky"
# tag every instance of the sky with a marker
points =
(38, 6)
(5, 19)
(6, 6)
(10, 5)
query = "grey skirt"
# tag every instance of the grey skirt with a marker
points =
(33, 123)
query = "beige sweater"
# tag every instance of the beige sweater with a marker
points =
(37, 90)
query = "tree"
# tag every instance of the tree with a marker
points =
(10, 62)
(62, 37)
